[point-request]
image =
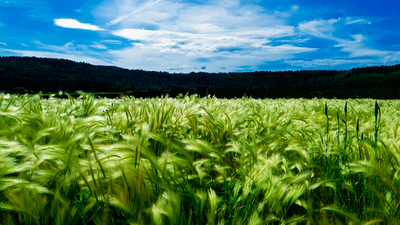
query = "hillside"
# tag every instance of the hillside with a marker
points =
(31, 74)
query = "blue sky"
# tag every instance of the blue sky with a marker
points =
(210, 36)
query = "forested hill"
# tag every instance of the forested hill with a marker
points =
(31, 74)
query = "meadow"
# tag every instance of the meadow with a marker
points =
(192, 160)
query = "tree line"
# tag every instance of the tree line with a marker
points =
(33, 74)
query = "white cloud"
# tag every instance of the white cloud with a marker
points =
(2, 43)
(295, 7)
(315, 63)
(352, 20)
(287, 14)
(183, 17)
(319, 28)
(162, 56)
(357, 48)
(204, 43)
(74, 24)
(150, 35)
(227, 18)
(97, 45)
(115, 42)
(287, 49)
(54, 48)
(392, 58)
(18, 3)
(71, 47)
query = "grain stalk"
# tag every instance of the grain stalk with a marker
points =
(327, 127)
(377, 114)
(345, 126)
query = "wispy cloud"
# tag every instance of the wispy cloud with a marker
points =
(75, 24)
(114, 42)
(319, 28)
(72, 48)
(184, 15)
(97, 45)
(136, 11)
(352, 20)
(2, 43)
(19, 3)
(329, 63)
(357, 48)
(353, 47)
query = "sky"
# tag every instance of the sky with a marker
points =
(181, 36)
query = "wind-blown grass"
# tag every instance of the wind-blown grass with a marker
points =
(194, 160)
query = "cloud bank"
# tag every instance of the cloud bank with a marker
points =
(213, 36)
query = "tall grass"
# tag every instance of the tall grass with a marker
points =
(192, 160)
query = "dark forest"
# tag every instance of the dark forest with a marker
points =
(32, 75)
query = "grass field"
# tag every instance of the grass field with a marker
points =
(191, 160)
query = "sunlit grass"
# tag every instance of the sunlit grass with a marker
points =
(192, 160)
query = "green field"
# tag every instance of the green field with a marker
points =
(191, 160)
